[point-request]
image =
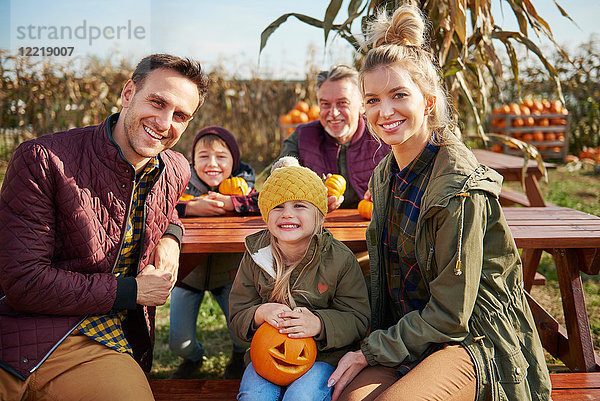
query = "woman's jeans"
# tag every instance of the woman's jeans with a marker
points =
(185, 305)
(311, 386)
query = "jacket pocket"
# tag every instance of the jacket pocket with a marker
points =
(511, 373)
(511, 368)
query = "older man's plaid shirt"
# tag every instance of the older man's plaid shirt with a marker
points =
(405, 283)
(107, 328)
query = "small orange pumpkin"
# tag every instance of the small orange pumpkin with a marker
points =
(281, 359)
(186, 197)
(234, 186)
(336, 185)
(365, 208)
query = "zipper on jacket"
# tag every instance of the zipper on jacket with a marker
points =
(57, 344)
(143, 232)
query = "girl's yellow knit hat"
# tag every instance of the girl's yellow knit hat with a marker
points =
(292, 183)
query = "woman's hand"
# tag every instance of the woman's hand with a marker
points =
(347, 369)
(203, 206)
(269, 313)
(300, 323)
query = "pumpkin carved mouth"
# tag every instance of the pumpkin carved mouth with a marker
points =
(279, 358)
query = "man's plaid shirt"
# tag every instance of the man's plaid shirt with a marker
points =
(106, 328)
(405, 282)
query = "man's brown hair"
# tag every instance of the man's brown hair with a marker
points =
(187, 67)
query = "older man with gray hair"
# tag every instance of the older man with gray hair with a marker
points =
(339, 142)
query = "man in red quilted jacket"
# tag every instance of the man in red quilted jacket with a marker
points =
(90, 242)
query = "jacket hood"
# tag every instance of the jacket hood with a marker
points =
(460, 173)
(258, 245)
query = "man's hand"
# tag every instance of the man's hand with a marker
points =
(226, 199)
(153, 286)
(334, 202)
(347, 369)
(166, 256)
(368, 196)
(203, 206)
(300, 323)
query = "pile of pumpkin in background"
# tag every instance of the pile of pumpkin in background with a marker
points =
(533, 120)
(587, 155)
(300, 114)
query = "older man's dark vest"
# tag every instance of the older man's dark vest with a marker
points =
(319, 152)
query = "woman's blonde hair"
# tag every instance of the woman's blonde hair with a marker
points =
(283, 289)
(400, 40)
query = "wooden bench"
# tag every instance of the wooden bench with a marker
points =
(565, 387)
(509, 197)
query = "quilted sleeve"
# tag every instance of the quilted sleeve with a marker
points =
(30, 280)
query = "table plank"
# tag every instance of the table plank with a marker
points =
(507, 163)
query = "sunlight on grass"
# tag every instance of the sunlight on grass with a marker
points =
(212, 333)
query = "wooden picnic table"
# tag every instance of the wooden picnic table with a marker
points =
(225, 234)
(572, 237)
(511, 168)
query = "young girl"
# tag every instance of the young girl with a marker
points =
(450, 319)
(298, 278)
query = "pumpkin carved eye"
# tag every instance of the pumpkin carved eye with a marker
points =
(281, 359)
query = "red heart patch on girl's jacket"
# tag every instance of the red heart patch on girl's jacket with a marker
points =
(322, 287)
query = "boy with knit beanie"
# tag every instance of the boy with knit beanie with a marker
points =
(215, 157)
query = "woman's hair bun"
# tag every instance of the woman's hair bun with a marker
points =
(406, 27)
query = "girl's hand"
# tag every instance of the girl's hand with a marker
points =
(203, 206)
(300, 323)
(347, 369)
(225, 199)
(269, 313)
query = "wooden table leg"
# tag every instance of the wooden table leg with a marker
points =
(531, 261)
(532, 189)
(581, 348)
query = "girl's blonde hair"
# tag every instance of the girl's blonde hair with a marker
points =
(283, 289)
(400, 40)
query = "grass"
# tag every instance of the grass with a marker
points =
(212, 333)
(576, 188)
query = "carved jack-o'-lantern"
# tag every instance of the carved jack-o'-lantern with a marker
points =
(281, 359)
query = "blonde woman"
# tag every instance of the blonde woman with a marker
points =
(450, 320)
(296, 277)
